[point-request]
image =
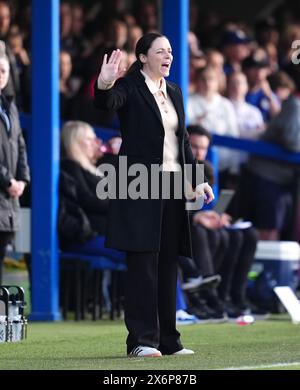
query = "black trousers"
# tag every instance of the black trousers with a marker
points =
(227, 252)
(150, 296)
(5, 238)
(209, 247)
(237, 263)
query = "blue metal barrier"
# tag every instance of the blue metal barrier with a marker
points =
(259, 148)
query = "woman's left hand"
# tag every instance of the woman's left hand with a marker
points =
(205, 190)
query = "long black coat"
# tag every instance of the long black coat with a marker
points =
(135, 225)
(13, 164)
(86, 198)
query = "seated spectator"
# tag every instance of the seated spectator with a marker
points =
(80, 208)
(218, 248)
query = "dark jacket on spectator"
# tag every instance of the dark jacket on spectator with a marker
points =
(82, 193)
(73, 224)
(13, 164)
(283, 130)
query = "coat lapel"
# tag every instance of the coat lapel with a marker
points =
(176, 99)
(174, 95)
(147, 95)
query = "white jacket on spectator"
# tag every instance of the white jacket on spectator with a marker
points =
(217, 116)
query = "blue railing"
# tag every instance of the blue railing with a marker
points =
(259, 148)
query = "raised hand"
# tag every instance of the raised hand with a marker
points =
(110, 70)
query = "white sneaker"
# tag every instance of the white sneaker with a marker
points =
(200, 281)
(184, 318)
(184, 351)
(143, 351)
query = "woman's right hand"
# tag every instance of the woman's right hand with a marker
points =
(110, 70)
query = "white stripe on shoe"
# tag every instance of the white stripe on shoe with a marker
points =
(183, 351)
(144, 351)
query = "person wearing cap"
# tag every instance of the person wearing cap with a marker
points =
(235, 47)
(260, 94)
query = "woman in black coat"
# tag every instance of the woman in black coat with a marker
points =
(14, 170)
(150, 230)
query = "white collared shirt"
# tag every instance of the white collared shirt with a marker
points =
(169, 120)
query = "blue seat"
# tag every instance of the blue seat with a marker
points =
(80, 265)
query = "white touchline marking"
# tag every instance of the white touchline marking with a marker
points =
(262, 366)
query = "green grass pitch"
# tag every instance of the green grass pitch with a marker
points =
(271, 344)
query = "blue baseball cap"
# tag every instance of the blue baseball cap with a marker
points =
(234, 37)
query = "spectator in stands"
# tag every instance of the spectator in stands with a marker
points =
(23, 64)
(235, 47)
(150, 230)
(270, 205)
(219, 248)
(68, 85)
(134, 34)
(5, 19)
(116, 34)
(197, 56)
(215, 60)
(260, 94)
(249, 117)
(267, 37)
(282, 85)
(208, 108)
(66, 42)
(250, 125)
(146, 15)
(80, 44)
(14, 170)
(197, 60)
(82, 217)
(13, 86)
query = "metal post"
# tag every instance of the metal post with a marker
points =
(45, 159)
(175, 25)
